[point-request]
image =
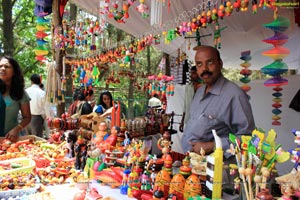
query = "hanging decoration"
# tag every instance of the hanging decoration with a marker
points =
(278, 67)
(143, 8)
(54, 92)
(85, 33)
(162, 85)
(156, 12)
(42, 9)
(246, 72)
(217, 35)
(117, 10)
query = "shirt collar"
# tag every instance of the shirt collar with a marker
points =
(217, 87)
(35, 85)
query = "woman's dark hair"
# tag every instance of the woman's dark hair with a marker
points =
(16, 91)
(2, 87)
(101, 102)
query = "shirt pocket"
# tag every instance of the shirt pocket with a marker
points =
(209, 118)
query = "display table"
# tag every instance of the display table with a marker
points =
(67, 192)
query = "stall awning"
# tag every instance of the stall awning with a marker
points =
(244, 30)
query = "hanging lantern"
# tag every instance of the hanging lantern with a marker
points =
(278, 67)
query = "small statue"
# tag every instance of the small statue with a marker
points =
(101, 134)
(111, 140)
(80, 153)
(217, 35)
(290, 184)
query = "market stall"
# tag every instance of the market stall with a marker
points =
(110, 157)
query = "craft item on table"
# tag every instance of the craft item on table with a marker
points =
(295, 153)
(110, 142)
(124, 186)
(185, 169)
(177, 186)
(100, 135)
(246, 72)
(278, 67)
(165, 146)
(256, 157)
(134, 181)
(264, 194)
(110, 177)
(111, 156)
(289, 185)
(214, 174)
(80, 149)
(168, 160)
(198, 162)
(161, 185)
(192, 186)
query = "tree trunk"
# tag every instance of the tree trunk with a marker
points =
(58, 53)
(7, 28)
(130, 113)
(69, 78)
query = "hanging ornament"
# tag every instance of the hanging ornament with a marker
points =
(217, 35)
(142, 8)
(96, 74)
(245, 56)
(278, 67)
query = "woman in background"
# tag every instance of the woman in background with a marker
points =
(15, 98)
(2, 108)
(105, 102)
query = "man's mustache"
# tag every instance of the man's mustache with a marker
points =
(206, 73)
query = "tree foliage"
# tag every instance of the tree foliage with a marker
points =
(17, 34)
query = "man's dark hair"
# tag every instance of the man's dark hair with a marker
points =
(36, 79)
(194, 68)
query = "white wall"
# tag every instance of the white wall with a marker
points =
(261, 101)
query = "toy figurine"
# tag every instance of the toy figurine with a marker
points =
(111, 140)
(289, 184)
(161, 185)
(80, 153)
(100, 135)
(177, 186)
(192, 186)
(217, 35)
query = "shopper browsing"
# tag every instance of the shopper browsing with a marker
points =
(15, 98)
(37, 106)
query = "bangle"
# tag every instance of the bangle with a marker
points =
(19, 125)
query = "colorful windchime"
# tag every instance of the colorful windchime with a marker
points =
(278, 67)
(42, 9)
(246, 72)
